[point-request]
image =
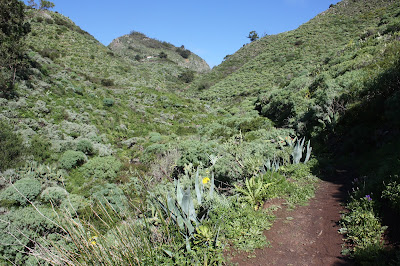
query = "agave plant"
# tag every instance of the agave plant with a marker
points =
(182, 208)
(298, 150)
(254, 191)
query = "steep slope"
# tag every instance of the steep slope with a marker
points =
(275, 60)
(137, 47)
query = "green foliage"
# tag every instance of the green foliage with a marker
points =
(40, 148)
(108, 102)
(392, 194)
(187, 76)
(254, 191)
(45, 5)
(85, 146)
(253, 36)
(163, 55)
(362, 228)
(72, 159)
(13, 29)
(11, 145)
(104, 168)
(22, 191)
(54, 195)
(22, 229)
(183, 52)
(111, 195)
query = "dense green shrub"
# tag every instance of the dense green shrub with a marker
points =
(40, 148)
(108, 102)
(163, 55)
(183, 52)
(11, 145)
(22, 191)
(21, 228)
(187, 76)
(85, 146)
(107, 82)
(54, 195)
(71, 159)
(195, 152)
(110, 194)
(75, 204)
(102, 168)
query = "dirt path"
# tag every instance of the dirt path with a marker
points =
(307, 235)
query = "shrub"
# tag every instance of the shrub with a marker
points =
(102, 168)
(54, 195)
(20, 229)
(107, 82)
(108, 102)
(85, 146)
(71, 159)
(163, 55)
(187, 76)
(50, 53)
(74, 204)
(40, 148)
(11, 147)
(110, 194)
(23, 190)
(183, 52)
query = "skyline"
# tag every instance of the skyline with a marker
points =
(210, 29)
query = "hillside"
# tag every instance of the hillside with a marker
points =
(137, 47)
(275, 60)
(137, 154)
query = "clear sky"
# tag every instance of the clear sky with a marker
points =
(210, 28)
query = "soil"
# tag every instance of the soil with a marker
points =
(307, 235)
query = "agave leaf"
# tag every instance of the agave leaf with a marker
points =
(197, 187)
(179, 194)
(211, 192)
(309, 149)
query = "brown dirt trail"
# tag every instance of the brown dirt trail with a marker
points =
(307, 235)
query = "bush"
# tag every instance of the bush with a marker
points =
(107, 82)
(54, 195)
(102, 168)
(23, 190)
(50, 53)
(22, 228)
(183, 52)
(11, 147)
(110, 194)
(163, 55)
(85, 146)
(40, 149)
(75, 204)
(187, 76)
(108, 102)
(71, 159)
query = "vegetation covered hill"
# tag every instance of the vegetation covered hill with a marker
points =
(137, 47)
(108, 158)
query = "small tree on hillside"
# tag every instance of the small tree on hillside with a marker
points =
(45, 5)
(253, 36)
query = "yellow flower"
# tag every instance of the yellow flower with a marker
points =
(206, 180)
(93, 240)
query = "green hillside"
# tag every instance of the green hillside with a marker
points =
(137, 154)
(137, 47)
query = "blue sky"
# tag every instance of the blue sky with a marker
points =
(210, 28)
